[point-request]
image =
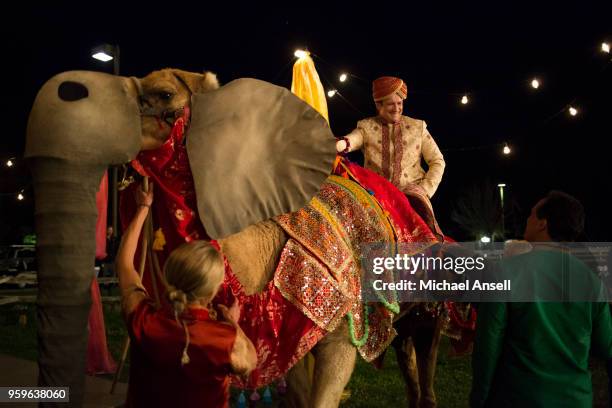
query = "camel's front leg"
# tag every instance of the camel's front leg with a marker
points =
(298, 386)
(334, 363)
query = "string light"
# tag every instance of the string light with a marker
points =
(20, 196)
(9, 163)
(485, 239)
(301, 53)
(535, 83)
(605, 47)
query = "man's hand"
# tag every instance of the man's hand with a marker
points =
(341, 146)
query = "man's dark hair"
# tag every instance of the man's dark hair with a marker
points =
(564, 216)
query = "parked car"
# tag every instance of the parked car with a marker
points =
(18, 258)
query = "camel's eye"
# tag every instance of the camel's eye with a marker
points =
(165, 96)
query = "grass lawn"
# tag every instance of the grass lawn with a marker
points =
(368, 387)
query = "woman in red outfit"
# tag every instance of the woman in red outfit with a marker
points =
(181, 355)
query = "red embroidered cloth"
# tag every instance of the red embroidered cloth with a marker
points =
(408, 224)
(282, 335)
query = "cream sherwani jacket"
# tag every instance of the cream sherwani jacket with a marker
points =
(416, 143)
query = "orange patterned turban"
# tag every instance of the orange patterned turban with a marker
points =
(387, 86)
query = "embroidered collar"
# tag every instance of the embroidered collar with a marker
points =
(383, 122)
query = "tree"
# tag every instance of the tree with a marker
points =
(479, 211)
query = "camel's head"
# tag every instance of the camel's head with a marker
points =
(163, 96)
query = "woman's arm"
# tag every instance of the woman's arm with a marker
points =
(243, 357)
(124, 262)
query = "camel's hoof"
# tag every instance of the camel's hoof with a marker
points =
(346, 394)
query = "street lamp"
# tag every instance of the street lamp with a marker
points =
(105, 53)
(501, 196)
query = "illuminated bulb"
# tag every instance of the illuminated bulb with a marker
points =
(485, 239)
(343, 77)
(300, 53)
(605, 47)
(331, 93)
(102, 56)
(507, 149)
(20, 197)
(573, 111)
(464, 100)
(535, 84)
(9, 163)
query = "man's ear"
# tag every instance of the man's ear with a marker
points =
(542, 225)
(197, 83)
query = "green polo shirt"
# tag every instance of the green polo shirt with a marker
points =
(536, 354)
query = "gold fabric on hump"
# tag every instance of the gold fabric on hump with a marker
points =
(307, 85)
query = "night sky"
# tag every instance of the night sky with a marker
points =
(489, 50)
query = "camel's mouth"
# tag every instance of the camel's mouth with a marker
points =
(165, 114)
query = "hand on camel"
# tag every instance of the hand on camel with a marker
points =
(144, 199)
(231, 315)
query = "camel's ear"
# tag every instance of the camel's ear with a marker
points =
(256, 151)
(197, 83)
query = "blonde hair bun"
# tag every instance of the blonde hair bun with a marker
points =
(178, 299)
(193, 271)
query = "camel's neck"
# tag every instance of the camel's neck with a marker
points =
(253, 254)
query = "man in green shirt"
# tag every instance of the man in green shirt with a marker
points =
(536, 354)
